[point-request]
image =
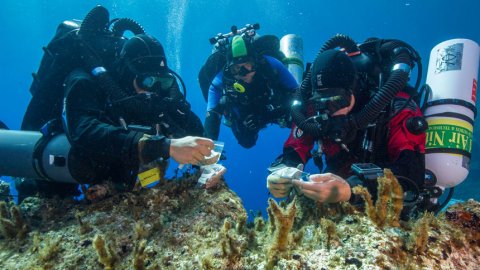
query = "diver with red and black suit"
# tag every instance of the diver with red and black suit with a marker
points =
(355, 104)
(250, 92)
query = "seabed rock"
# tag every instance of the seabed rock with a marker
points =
(5, 191)
(176, 225)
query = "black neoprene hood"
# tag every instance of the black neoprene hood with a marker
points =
(144, 54)
(333, 69)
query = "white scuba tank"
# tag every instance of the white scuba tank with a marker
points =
(292, 46)
(450, 112)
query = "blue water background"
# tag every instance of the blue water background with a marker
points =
(184, 28)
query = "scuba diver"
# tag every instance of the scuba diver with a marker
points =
(122, 108)
(251, 90)
(356, 105)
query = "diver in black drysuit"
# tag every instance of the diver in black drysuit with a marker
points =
(105, 133)
(90, 121)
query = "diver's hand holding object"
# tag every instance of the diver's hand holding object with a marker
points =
(211, 175)
(279, 182)
(326, 187)
(212, 172)
(191, 150)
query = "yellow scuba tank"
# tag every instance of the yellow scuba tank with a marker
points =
(450, 112)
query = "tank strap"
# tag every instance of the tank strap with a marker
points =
(49, 130)
(292, 60)
(454, 101)
(452, 115)
(448, 151)
(37, 157)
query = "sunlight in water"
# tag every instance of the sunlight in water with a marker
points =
(175, 19)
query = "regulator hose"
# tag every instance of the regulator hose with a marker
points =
(298, 115)
(96, 21)
(397, 81)
(390, 46)
(181, 82)
(342, 41)
(398, 51)
(126, 24)
(95, 66)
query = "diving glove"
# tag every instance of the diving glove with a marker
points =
(253, 123)
(151, 148)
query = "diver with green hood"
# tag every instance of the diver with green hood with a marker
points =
(251, 91)
(117, 113)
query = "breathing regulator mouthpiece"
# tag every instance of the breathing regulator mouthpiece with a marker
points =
(239, 87)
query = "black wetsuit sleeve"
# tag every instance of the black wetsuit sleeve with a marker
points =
(212, 125)
(289, 158)
(88, 128)
(194, 126)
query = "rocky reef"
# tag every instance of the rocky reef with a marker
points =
(177, 225)
(4, 191)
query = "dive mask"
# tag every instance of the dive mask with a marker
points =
(330, 100)
(241, 71)
(155, 82)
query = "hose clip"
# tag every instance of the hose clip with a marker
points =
(403, 67)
